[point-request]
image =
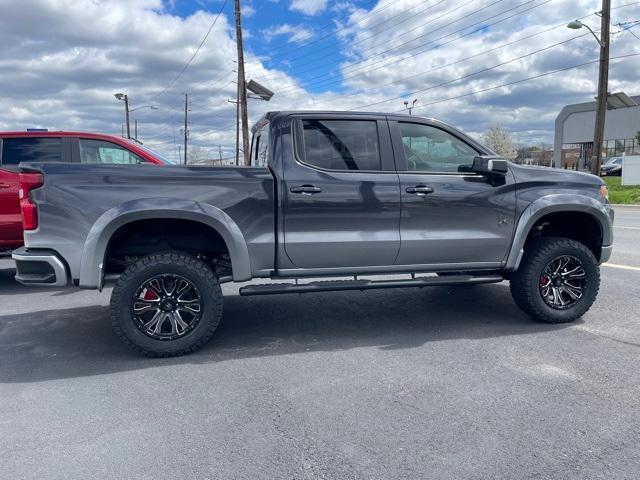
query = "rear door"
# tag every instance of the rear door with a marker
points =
(14, 151)
(450, 215)
(341, 194)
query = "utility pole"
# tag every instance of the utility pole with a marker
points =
(220, 153)
(242, 86)
(603, 80)
(186, 125)
(135, 129)
(126, 110)
(238, 127)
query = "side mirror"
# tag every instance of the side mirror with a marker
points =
(491, 165)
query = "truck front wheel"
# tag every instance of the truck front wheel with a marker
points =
(557, 281)
(166, 304)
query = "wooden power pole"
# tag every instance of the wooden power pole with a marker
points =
(603, 80)
(186, 125)
(242, 87)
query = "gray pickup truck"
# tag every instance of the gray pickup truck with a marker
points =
(328, 194)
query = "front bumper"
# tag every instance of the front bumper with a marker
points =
(605, 253)
(41, 268)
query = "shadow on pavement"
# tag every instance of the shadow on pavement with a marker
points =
(78, 342)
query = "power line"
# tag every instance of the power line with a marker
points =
(373, 47)
(332, 33)
(402, 57)
(440, 67)
(215, 20)
(522, 80)
(487, 69)
(411, 17)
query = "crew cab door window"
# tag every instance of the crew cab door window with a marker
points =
(430, 149)
(102, 152)
(340, 144)
(17, 150)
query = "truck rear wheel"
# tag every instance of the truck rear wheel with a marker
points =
(166, 304)
(557, 281)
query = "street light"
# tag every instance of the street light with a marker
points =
(603, 80)
(577, 25)
(410, 108)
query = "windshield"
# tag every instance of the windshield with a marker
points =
(162, 158)
(614, 161)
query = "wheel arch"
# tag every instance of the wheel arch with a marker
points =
(553, 205)
(95, 248)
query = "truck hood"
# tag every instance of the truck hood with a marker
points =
(558, 176)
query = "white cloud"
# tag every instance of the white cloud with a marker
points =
(295, 33)
(309, 7)
(64, 76)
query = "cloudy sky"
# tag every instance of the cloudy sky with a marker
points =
(463, 60)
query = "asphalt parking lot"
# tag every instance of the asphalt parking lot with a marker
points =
(433, 383)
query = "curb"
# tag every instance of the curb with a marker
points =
(623, 205)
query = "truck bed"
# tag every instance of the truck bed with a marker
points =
(79, 201)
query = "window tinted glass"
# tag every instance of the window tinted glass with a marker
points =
(99, 151)
(429, 149)
(16, 150)
(340, 144)
(260, 155)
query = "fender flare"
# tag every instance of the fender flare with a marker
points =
(560, 202)
(97, 242)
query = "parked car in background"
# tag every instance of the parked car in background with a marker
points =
(44, 146)
(612, 166)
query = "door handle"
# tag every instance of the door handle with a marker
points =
(420, 190)
(305, 189)
(5, 185)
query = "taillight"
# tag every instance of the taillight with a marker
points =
(29, 182)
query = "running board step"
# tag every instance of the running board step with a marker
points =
(338, 285)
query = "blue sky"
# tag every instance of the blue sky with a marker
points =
(300, 41)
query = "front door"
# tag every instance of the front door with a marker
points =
(450, 215)
(341, 195)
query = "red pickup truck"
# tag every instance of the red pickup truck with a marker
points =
(41, 146)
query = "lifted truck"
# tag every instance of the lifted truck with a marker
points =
(328, 194)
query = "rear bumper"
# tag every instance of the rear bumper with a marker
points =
(40, 268)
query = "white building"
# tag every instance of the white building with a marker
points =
(576, 123)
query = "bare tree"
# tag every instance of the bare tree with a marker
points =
(499, 140)
(198, 155)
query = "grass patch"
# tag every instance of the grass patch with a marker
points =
(620, 194)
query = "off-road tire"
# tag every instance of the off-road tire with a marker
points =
(177, 263)
(525, 282)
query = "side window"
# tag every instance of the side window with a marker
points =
(260, 148)
(429, 149)
(99, 151)
(339, 144)
(16, 150)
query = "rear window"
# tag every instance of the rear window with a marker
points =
(17, 150)
(340, 144)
